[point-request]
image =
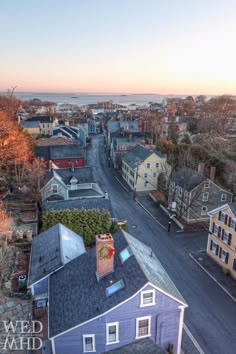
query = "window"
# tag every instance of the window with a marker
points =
(57, 162)
(69, 162)
(222, 216)
(186, 196)
(154, 174)
(205, 197)
(143, 327)
(125, 254)
(223, 197)
(157, 164)
(226, 237)
(88, 343)
(147, 298)
(224, 256)
(214, 248)
(204, 210)
(206, 185)
(55, 188)
(216, 229)
(77, 162)
(115, 287)
(148, 165)
(145, 175)
(234, 264)
(233, 224)
(145, 184)
(112, 333)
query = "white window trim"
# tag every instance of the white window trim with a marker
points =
(214, 247)
(226, 237)
(86, 336)
(53, 185)
(206, 184)
(225, 197)
(204, 212)
(153, 298)
(149, 327)
(223, 258)
(216, 229)
(117, 332)
(205, 197)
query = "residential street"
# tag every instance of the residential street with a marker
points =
(211, 315)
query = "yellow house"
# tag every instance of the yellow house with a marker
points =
(221, 245)
(141, 168)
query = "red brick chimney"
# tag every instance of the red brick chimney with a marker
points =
(212, 174)
(104, 254)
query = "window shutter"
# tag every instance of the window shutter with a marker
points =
(229, 221)
(213, 227)
(229, 239)
(217, 250)
(220, 252)
(222, 234)
(234, 225)
(234, 264)
(227, 258)
(226, 219)
(219, 231)
(211, 245)
(219, 215)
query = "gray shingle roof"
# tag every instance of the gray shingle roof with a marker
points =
(233, 207)
(90, 203)
(76, 296)
(51, 249)
(82, 174)
(187, 178)
(65, 151)
(29, 124)
(142, 346)
(136, 155)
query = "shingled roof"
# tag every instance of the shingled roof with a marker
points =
(52, 249)
(91, 203)
(75, 295)
(187, 178)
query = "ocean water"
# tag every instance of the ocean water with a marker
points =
(85, 99)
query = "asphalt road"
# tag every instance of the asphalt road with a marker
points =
(211, 315)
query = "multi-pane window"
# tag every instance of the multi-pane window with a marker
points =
(145, 184)
(148, 298)
(143, 327)
(233, 224)
(154, 174)
(148, 165)
(145, 175)
(157, 164)
(216, 229)
(224, 256)
(112, 333)
(206, 185)
(226, 237)
(214, 248)
(205, 197)
(88, 343)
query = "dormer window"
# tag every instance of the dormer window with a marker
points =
(206, 185)
(54, 188)
(147, 298)
(73, 180)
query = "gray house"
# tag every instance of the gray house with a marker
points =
(192, 195)
(111, 296)
(70, 183)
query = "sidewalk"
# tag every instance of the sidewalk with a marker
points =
(227, 283)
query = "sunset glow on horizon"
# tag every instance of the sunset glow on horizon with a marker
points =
(120, 46)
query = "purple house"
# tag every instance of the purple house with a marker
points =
(112, 296)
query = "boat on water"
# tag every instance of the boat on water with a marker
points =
(74, 97)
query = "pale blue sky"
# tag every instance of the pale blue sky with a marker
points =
(125, 46)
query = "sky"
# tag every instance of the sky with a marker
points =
(118, 46)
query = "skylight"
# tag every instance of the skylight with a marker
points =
(114, 288)
(125, 254)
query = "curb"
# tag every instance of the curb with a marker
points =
(214, 279)
(147, 211)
